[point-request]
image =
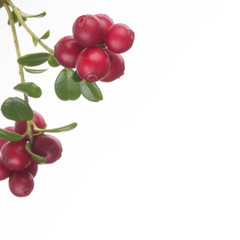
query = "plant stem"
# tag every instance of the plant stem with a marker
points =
(20, 19)
(16, 44)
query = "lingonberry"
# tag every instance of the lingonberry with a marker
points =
(14, 155)
(106, 21)
(119, 38)
(21, 126)
(66, 51)
(32, 168)
(2, 142)
(21, 183)
(47, 146)
(92, 64)
(117, 67)
(4, 172)
(88, 30)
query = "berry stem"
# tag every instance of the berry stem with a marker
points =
(20, 19)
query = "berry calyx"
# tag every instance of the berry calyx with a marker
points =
(21, 183)
(14, 155)
(47, 146)
(119, 38)
(117, 67)
(88, 30)
(92, 64)
(66, 51)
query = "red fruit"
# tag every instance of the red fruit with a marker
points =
(21, 183)
(32, 168)
(4, 172)
(14, 155)
(47, 146)
(119, 38)
(21, 127)
(117, 67)
(105, 20)
(88, 30)
(92, 64)
(2, 142)
(66, 51)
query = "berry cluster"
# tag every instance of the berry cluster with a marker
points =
(16, 162)
(95, 47)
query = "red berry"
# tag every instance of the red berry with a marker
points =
(4, 172)
(92, 64)
(14, 155)
(32, 168)
(47, 146)
(117, 67)
(119, 38)
(66, 51)
(21, 127)
(105, 20)
(21, 183)
(88, 30)
(2, 142)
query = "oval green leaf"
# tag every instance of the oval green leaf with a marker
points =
(52, 61)
(26, 15)
(66, 128)
(30, 88)
(33, 59)
(9, 135)
(45, 35)
(35, 71)
(16, 109)
(90, 91)
(65, 88)
(36, 157)
(75, 77)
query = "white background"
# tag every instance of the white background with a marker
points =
(158, 158)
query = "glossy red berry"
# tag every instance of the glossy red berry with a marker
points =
(32, 168)
(117, 67)
(21, 183)
(14, 155)
(47, 146)
(2, 142)
(119, 38)
(66, 51)
(105, 20)
(21, 127)
(88, 30)
(92, 64)
(4, 172)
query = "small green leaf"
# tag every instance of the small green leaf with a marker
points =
(34, 42)
(26, 15)
(30, 88)
(90, 91)
(53, 62)
(16, 109)
(45, 35)
(35, 71)
(65, 87)
(33, 59)
(60, 129)
(36, 157)
(1, 5)
(15, 19)
(75, 77)
(10, 136)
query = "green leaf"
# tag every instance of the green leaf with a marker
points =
(33, 59)
(36, 157)
(35, 71)
(53, 62)
(65, 87)
(15, 19)
(1, 5)
(90, 91)
(26, 15)
(34, 42)
(45, 35)
(30, 88)
(75, 77)
(16, 109)
(9, 135)
(60, 129)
